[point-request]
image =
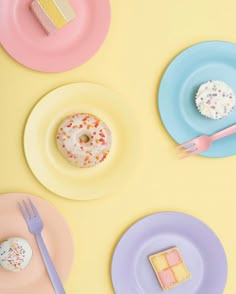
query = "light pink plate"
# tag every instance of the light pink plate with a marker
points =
(34, 278)
(25, 40)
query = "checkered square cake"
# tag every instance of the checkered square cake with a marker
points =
(170, 268)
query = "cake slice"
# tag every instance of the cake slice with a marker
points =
(169, 268)
(43, 18)
(53, 14)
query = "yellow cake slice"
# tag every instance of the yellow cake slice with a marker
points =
(53, 14)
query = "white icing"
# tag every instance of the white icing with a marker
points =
(215, 99)
(15, 254)
(78, 152)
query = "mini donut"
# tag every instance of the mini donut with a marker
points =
(84, 140)
(15, 254)
(215, 99)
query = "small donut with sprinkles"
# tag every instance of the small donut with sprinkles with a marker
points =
(84, 140)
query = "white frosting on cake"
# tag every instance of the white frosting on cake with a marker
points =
(15, 254)
(215, 99)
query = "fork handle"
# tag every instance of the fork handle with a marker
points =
(226, 132)
(55, 280)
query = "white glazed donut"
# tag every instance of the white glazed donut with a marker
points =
(215, 99)
(15, 254)
(84, 140)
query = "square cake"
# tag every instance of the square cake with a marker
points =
(170, 268)
(53, 14)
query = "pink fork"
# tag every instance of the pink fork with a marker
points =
(203, 143)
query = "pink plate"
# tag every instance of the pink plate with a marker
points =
(56, 234)
(25, 40)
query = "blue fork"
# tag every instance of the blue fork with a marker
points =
(35, 226)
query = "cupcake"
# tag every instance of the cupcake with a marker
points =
(215, 100)
(15, 254)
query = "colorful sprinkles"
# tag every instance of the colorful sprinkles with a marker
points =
(215, 99)
(15, 254)
(84, 140)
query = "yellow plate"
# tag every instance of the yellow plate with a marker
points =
(46, 161)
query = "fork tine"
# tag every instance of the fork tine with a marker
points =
(26, 217)
(191, 153)
(33, 208)
(185, 144)
(187, 149)
(28, 209)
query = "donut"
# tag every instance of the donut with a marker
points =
(84, 140)
(15, 254)
(215, 99)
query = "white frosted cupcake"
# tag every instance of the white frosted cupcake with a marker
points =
(215, 99)
(15, 254)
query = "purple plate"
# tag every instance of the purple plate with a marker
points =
(201, 249)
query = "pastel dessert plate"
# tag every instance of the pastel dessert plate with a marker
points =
(176, 99)
(34, 278)
(47, 162)
(200, 248)
(25, 40)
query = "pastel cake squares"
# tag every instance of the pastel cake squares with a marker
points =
(53, 14)
(160, 263)
(170, 268)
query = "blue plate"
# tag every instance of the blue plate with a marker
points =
(198, 64)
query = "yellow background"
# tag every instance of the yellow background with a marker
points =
(144, 37)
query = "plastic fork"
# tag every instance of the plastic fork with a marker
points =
(203, 143)
(35, 226)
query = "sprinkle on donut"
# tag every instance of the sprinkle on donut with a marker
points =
(84, 140)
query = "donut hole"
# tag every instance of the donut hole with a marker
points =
(84, 138)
